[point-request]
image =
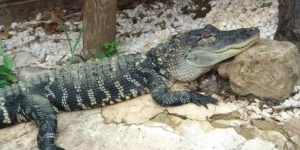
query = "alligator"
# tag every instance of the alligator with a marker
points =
(184, 57)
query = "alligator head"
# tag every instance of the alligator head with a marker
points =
(187, 56)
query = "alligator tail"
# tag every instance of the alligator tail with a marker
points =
(10, 100)
(4, 117)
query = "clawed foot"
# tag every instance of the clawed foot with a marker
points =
(203, 100)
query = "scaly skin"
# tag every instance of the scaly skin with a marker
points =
(183, 57)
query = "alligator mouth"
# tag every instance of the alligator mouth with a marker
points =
(207, 57)
(241, 46)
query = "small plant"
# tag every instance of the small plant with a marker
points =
(110, 50)
(72, 48)
(7, 76)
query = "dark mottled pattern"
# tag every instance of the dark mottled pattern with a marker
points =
(109, 81)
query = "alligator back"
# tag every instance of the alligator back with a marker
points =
(80, 86)
(89, 85)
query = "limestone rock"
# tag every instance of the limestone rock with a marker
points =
(269, 69)
(265, 125)
(269, 135)
(193, 111)
(87, 130)
(167, 121)
(256, 144)
(23, 59)
(226, 108)
(190, 125)
(228, 123)
(292, 129)
(28, 73)
(137, 110)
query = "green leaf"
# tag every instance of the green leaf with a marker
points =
(3, 76)
(78, 39)
(70, 60)
(67, 35)
(7, 62)
(118, 43)
(101, 55)
(106, 45)
(113, 44)
(13, 78)
(3, 69)
(3, 83)
(1, 48)
(110, 50)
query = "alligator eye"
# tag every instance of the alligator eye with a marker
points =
(207, 35)
(207, 39)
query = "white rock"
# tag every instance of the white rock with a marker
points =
(265, 114)
(287, 103)
(255, 116)
(284, 115)
(296, 110)
(12, 32)
(294, 103)
(217, 97)
(229, 8)
(297, 115)
(213, 3)
(39, 31)
(258, 144)
(275, 4)
(298, 87)
(256, 20)
(243, 114)
(295, 90)
(296, 97)
(279, 118)
(290, 113)
(265, 106)
(255, 109)
(13, 25)
(268, 110)
(247, 3)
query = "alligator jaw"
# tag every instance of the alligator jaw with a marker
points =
(207, 57)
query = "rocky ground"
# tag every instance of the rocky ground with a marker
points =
(238, 122)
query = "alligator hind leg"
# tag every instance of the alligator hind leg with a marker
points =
(41, 112)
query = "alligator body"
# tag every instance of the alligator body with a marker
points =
(183, 57)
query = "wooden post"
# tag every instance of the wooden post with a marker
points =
(99, 24)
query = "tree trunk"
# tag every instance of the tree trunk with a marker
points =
(99, 24)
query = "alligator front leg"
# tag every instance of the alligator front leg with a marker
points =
(41, 112)
(160, 94)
